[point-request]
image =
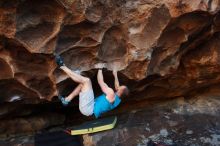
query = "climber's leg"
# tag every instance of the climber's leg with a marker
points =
(75, 92)
(85, 91)
(74, 76)
(86, 83)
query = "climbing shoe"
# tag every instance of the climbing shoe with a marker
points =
(62, 99)
(59, 60)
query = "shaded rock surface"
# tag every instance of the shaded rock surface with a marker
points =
(181, 121)
(163, 49)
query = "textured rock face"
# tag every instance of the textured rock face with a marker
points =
(163, 48)
(180, 122)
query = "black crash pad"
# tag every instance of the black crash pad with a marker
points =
(58, 138)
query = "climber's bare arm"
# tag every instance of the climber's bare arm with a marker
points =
(75, 92)
(115, 74)
(104, 87)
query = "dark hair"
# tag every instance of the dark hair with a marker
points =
(125, 92)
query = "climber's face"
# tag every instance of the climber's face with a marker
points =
(122, 91)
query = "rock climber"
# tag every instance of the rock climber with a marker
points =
(88, 105)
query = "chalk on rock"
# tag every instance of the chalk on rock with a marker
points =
(100, 65)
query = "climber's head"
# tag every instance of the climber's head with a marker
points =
(122, 91)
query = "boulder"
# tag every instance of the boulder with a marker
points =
(162, 48)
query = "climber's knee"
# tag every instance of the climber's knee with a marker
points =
(86, 80)
(86, 84)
